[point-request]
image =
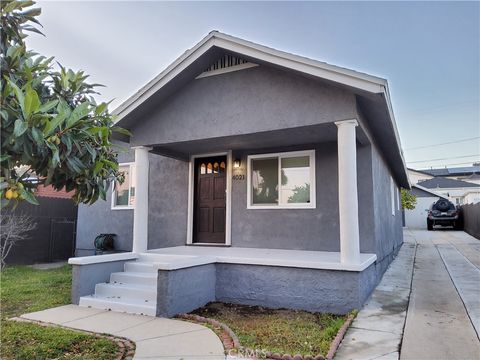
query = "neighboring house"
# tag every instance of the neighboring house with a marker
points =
(255, 176)
(415, 176)
(474, 178)
(417, 217)
(53, 239)
(458, 191)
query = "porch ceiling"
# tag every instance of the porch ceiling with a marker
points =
(304, 135)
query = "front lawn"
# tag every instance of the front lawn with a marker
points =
(282, 331)
(24, 290)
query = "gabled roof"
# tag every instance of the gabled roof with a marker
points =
(445, 183)
(427, 191)
(371, 89)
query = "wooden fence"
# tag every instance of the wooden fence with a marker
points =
(471, 218)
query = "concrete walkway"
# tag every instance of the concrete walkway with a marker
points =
(376, 333)
(444, 305)
(155, 338)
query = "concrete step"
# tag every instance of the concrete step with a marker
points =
(142, 267)
(122, 305)
(126, 291)
(134, 278)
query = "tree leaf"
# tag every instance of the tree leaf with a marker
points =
(101, 108)
(122, 131)
(20, 127)
(27, 195)
(32, 102)
(18, 93)
(78, 113)
(55, 157)
(54, 123)
(98, 167)
(37, 136)
(48, 106)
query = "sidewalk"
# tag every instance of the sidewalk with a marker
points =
(155, 338)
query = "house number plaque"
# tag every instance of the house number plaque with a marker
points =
(238, 177)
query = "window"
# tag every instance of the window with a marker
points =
(282, 180)
(123, 195)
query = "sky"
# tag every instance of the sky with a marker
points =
(428, 51)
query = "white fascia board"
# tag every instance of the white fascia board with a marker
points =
(308, 66)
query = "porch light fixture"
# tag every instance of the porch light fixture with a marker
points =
(236, 163)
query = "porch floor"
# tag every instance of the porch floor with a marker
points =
(178, 257)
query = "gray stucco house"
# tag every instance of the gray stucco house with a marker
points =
(253, 176)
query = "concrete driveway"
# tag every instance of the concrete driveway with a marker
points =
(443, 318)
(427, 305)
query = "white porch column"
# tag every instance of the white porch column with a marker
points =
(348, 192)
(140, 210)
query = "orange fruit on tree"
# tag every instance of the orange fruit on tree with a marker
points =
(9, 194)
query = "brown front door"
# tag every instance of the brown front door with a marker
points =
(210, 186)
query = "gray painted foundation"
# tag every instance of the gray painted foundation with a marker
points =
(184, 290)
(338, 292)
(315, 290)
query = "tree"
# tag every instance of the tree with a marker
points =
(408, 199)
(13, 229)
(52, 130)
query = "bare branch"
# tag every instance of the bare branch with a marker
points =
(13, 229)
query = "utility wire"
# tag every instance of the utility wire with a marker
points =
(453, 157)
(445, 143)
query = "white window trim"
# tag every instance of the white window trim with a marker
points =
(280, 155)
(398, 198)
(123, 207)
(392, 195)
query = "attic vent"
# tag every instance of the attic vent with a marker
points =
(226, 61)
(226, 64)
